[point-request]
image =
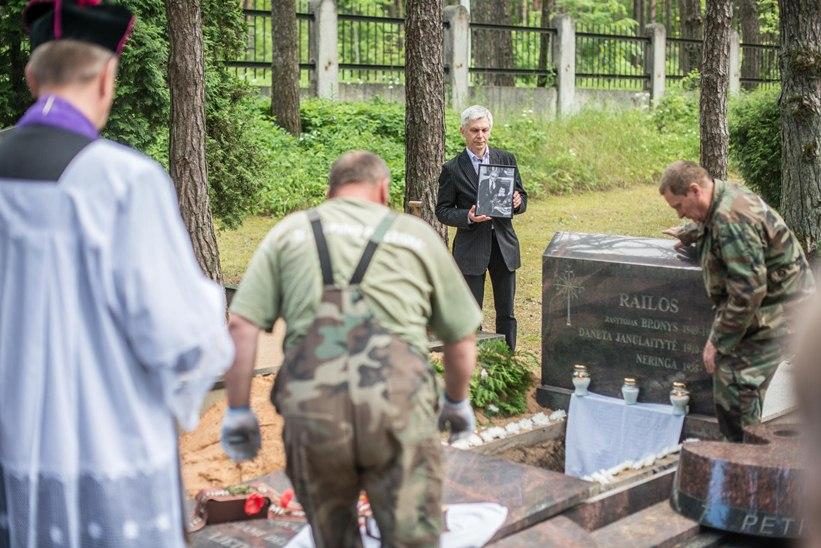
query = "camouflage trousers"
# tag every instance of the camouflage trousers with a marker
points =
(740, 383)
(360, 414)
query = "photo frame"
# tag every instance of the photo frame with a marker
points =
(494, 197)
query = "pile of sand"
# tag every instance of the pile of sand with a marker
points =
(204, 464)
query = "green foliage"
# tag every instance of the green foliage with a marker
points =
(589, 151)
(140, 114)
(585, 152)
(590, 13)
(501, 378)
(678, 110)
(755, 142)
(768, 16)
(328, 130)
(14, 95)
(236, 151)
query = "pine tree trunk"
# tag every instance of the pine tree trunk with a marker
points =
(285, 66)
(425, 106)
(186, 157)
(748, 17)
(715, 83)
(493, 48)
(691, 27)
(801, 119)
(638, 14)
(548, 7)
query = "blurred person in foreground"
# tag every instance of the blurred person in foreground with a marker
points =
(110, 335)
(358, 287)
(757, 277)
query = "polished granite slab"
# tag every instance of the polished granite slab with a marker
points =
(752, 488)
(530, 494)
(558, 532)
(624, 307)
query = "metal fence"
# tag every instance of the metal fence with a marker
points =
(511, 55)
(610, 58)
(682, 56)
(759, 65)
(371, 46)
(255, 65)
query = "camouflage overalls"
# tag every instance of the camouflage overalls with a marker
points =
(360, 413)
(756, 274)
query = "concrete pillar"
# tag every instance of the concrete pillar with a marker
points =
(457, 57)
(325, 79)
(564, 57)
(655, 60)
(735, 63)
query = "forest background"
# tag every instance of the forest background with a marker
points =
(254, 167)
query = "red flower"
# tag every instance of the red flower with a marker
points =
(286, 498)
(254, 503)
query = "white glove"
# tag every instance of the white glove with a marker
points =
(458, 416)
(240, 434)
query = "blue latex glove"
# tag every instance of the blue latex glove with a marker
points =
(240, 434)
(458, 416)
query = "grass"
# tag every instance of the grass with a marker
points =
(635, 211)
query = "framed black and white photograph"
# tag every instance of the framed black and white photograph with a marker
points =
(495, 195)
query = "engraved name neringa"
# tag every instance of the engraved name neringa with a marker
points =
(648, 302)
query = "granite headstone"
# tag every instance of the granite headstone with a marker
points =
(624, 307)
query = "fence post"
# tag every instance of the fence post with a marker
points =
(735, 63)
(655, 60)
(457, 39)
(325, 79)
(564, 57)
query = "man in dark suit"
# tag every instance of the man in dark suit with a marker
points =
(482, 244)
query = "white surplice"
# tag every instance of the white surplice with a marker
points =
(108, 333)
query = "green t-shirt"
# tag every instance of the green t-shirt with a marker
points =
(412, 282)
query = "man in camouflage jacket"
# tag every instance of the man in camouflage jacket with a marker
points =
(756, 274)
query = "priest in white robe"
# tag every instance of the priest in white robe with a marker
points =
(110, 336)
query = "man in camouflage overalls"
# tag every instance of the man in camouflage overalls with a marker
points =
(756, 274)
(358, 286)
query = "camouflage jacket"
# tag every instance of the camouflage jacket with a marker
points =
(753, 268)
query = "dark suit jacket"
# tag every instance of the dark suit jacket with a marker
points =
(458, 184)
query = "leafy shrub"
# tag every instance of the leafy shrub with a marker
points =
(590, 151)
(238, 131)
(501, 378)
(755, 142)
(585, 152)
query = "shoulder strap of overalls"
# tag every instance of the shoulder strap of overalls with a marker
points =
(373, 243)
(321, 248)
(367, 254)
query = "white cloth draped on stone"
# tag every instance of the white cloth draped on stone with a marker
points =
(603, 432)
(108, 332)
